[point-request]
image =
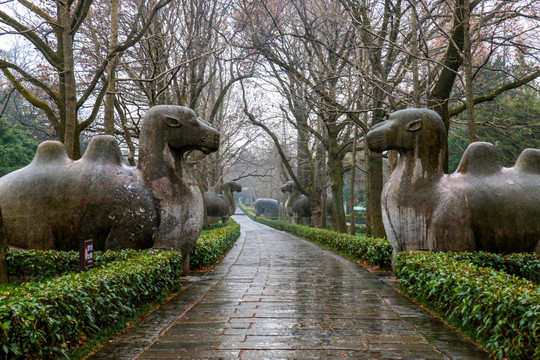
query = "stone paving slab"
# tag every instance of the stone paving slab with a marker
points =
(275, 296)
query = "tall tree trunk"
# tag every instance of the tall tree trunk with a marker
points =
(71, 137)
(335, 170)
(415, 53)
(353, 171)
(302, 150)
(110, 97)
(318, 204)
(127, 134)
(315, 203)
(374, 185)
(336, 184)
(452, 60)
(469, 95)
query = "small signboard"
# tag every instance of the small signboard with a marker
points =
(86, 253)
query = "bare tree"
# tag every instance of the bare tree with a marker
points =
(52, 30)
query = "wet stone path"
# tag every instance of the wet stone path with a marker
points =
(277, 296)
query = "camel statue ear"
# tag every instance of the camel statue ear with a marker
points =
(415, 125)
(172, 121)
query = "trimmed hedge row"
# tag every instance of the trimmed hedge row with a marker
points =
(43, 319)
(213, 245)
(40, 265)
(498, 310)
(525, 265)
(373, 251)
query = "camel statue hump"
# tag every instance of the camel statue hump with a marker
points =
(480, 158)
(103, 149)
(50, 153)
(529, 161)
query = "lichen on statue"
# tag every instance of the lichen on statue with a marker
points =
(54, 201)
(481, 206)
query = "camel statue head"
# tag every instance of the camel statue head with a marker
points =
(415, 134)
(232, 186)
(174, 130)
(289, 186)
(406, 130)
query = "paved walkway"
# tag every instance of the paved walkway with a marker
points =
(277, 296)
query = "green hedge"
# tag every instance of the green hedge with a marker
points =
(212, 245)
(500, 311)
(373, 251)
(525, 265)
(40, 265)
(43, 319)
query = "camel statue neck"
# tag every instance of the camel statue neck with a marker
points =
(419, 165)
(156, 161)
(229, 198)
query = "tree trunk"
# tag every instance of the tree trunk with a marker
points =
(127, 134)
(353, 171)
(71, 136)
(469, 95)
(335, 169)
(374, 185)
(374, 181)
(110, 97)
(315, 203)
(318, 213)
(415, 53)
(452, 60)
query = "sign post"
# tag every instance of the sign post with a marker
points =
(86, 253)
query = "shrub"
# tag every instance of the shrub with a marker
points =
(373, 251)
(40, 265)
(500, 311)
(43, 319)
(212, 245)
(525, 265)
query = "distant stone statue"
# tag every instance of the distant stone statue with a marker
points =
(222, 206)
(298, 206)
(481, 206)
(266, 207)
(54, 201)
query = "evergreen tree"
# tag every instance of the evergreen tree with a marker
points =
(17, 147)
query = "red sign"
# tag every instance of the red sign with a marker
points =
(86, 254)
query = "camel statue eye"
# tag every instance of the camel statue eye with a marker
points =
(193, 122)
(414, 126)
(172, 122)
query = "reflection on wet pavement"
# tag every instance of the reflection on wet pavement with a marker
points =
(277, 296)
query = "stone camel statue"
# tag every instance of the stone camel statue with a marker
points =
(297, 204)
(54, 201)
(481, 206)
(222, 206)
(268, 207)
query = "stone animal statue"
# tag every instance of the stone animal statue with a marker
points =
(54, 201)
(222, 206)
(267, 207)
(297, 204)
(481, 206)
